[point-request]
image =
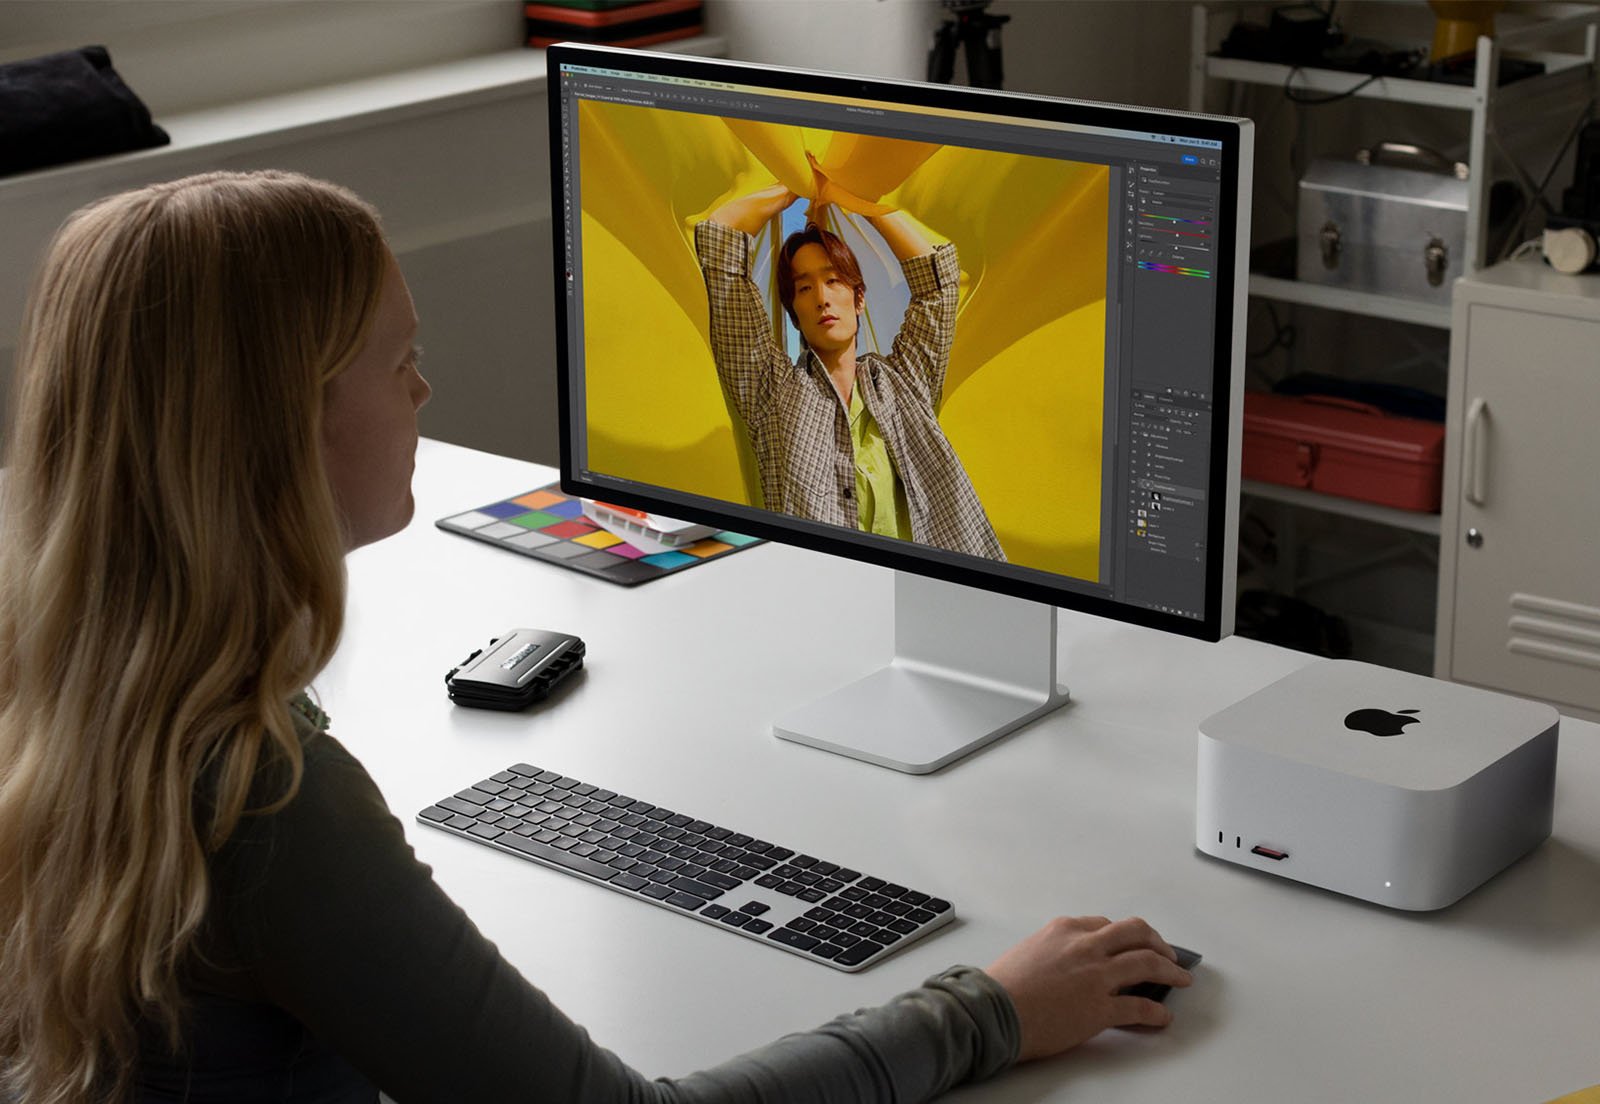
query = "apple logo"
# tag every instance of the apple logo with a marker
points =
(1381, 722)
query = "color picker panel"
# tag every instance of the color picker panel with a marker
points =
(549, 525)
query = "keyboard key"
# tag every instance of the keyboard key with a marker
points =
(825, 868)
(871, 884)
(524, 770)
(659, 892)
(803, 861)
(780, 853)
(811, 895)
(628, 881)
(827, 950)
(459, 821)
(699, 889)
(800, 923)
(769, 881)
(758, 926)
(857, 954)
(457, 805)
(715, 912)
(919, 916)
(753, 908)
(904, 927)
(800, 941)
(560, 858)
(721, 881)
(486, 831)
(737, 919)
(490, 786)
(477, 797)
(436, 814)
(686, 901)
(913, 897)
(892, 890)
(934, 904)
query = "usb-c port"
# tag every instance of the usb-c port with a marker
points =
(1269, 852)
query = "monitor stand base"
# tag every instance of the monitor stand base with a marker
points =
(969, 667)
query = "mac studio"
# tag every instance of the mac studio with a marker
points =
(435, 113)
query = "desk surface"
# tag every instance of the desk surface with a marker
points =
(1303, 996)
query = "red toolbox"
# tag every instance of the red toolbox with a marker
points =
(1342, 447)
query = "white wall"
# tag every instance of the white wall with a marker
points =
(1123, 51)
(881, 38)
(179, 55)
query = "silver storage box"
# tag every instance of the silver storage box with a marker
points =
(1392, 221)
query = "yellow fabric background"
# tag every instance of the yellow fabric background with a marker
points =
(1023, 401)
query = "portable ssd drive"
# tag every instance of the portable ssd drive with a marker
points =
(515, 669)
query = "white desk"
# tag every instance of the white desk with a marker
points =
(1304, 996)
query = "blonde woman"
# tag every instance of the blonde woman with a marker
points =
(202, 895)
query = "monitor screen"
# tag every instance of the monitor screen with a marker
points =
(983, 337)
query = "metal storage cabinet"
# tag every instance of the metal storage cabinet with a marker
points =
(1519, 564)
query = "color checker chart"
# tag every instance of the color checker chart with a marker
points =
(549, 525)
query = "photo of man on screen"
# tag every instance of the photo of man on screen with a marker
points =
(839, 436)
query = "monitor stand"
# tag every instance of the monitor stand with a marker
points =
(969, 666)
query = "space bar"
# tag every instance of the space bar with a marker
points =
(546, 853)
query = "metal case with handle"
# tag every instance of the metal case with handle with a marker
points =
(1391, 220)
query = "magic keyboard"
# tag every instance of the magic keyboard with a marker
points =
(805, 905)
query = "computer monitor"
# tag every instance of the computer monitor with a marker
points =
(1010, 370)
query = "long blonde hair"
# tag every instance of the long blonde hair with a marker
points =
(171, 575)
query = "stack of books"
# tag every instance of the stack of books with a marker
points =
(611, 22)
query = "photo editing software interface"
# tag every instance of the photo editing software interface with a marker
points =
(1050, 422)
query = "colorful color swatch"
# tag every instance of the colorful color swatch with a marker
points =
(549, 525)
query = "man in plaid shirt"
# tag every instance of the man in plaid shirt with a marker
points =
(841, 438)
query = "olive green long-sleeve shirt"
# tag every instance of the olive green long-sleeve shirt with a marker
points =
(332, 965)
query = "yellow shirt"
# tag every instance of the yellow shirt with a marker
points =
(880, 497)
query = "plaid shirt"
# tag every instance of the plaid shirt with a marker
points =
(800, 428)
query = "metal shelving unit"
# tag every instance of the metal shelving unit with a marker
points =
(1530, 121)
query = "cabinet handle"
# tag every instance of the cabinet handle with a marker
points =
(1477, 451)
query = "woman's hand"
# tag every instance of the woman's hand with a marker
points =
(1064, 980)
(751, 212)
